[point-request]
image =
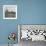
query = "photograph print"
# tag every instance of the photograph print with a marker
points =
(9, 11)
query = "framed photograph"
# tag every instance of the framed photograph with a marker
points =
(9, 11)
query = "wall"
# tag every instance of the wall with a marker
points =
(7, 26)
(34, 12)
(29, 12)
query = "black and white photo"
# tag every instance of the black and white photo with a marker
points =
(9, 11)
